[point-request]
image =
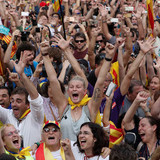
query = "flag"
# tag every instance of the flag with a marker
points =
(150, 14)
(114, 71)
(56, 5)
(116, 135)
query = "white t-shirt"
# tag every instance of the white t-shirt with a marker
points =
(80, 156)
(57, 155)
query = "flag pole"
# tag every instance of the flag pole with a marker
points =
(62, 20)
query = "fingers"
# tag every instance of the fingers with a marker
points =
(8, 71)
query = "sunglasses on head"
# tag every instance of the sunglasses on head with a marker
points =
(47, 130)
(99, 41)
(81, 41)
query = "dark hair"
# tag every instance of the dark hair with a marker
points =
(122, 151)
(80, 34)
(98, 134)
(103, 37)
(152, 122)
(43, 90)
(24, 47)
(8, 89)
(120, 119)
(5, 156)
(56, 14)
(133, 84)
(56, 53)
(99, 57)
(21, 91)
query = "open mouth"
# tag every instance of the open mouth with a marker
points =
(83, 142)
(51, 138)
(15, 142)
(75, 95)
(142, 134)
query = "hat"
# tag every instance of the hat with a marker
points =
(52, 122)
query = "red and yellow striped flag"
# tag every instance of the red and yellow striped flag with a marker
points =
(56, 5)
(116, 135)
(150, 14)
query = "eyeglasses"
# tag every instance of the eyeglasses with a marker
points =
(99, 41)
(54, 16)
(81, 41)
(11, 133)
(84, 133)
(47, 130)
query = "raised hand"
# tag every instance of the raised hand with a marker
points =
(142, 97)
(44, 47)
(103, 10)
(13, 76)
(25, 57)
(96, 31)
(61, 42)
(110, 50)
(147, 45)
(157, 65)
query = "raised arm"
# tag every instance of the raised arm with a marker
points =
(145, 47)
(95, 101)
(31, 89)
(127, 120)
(59, 98)
(64, 45)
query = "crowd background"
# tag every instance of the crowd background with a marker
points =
(66, 58)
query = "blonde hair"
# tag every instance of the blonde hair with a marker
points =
(78, 78)
(4, 127)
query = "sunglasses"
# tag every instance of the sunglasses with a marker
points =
(99, 41)
(47, 130)
(81, 41)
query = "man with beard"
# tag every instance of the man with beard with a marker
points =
(80, 45)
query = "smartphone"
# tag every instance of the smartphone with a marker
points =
(110, 88)
(114, 20)
(129, 9)
(108, 8)
(24, 14)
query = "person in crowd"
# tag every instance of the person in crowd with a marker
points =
(27, 113)
(122, 151)
(10, 143)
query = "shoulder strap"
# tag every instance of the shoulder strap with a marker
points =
(65, 111)
(139, 146)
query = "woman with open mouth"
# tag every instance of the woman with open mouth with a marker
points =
(10, 143)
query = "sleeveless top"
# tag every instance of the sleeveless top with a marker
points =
(71, 128)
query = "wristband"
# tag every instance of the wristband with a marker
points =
(108, 59)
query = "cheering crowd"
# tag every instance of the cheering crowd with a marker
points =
(79, 79)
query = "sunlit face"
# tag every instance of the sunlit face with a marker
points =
(11, 139)
(119, 16)
(86, 139)
(4, 98)
(51, 135)
(154, 85)
(146, 130)
(76, 90)
(19, 106)
(43, 20)
(80, 43)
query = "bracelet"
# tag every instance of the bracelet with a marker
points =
(44, 54)
(108, 59)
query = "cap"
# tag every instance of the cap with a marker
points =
(52, 122)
